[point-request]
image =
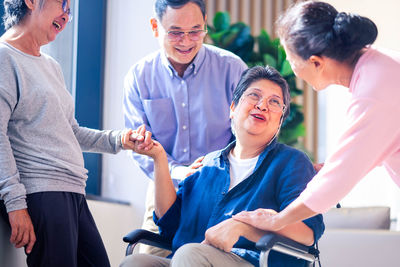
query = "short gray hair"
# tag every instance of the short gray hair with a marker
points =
(15, 11)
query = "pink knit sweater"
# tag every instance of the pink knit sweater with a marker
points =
(372, 133)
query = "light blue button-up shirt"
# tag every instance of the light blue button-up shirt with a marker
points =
(188, 115)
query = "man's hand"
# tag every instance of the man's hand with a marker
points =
(318, 166)
(22, 233)
(260, 218)
(224, 235)
(195, 166)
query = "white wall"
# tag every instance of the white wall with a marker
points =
(128, 39)
(377, 188)
(114, 221)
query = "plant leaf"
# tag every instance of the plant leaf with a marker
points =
(221, 21)
(269, 60)
(286, 69)
(281, 54)
(264, 42)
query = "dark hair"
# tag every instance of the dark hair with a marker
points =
(316, 28)
(161, 6)
(257, 73)
(15, 11)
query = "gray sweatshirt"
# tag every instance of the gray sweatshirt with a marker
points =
(41, 143)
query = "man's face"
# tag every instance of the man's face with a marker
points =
(181, 51)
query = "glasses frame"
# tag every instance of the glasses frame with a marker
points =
(247, 98)
(173, 38)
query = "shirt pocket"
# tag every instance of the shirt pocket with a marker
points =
(162, 119)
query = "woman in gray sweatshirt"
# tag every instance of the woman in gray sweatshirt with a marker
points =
(42, 174)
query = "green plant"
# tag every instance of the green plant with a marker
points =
(237, 38)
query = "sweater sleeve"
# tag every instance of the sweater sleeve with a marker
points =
(371, 134)
(11, 190)
(97, 141)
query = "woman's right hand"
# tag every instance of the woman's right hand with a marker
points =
(143, 144)
(260, 218)
(22, 232)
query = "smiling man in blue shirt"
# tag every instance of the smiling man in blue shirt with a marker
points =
(181, 92)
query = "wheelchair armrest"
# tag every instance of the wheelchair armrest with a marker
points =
(145, 237)
(273, 241)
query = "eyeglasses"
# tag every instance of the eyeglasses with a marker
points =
(194, 35)
(274, 103)
(67, 10)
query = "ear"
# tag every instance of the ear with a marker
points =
(30, 4)
(317, 61)
(154, 26)
(232, 110)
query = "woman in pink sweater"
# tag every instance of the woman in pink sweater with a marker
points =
(326, 47)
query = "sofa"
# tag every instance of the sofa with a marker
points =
(359, 237)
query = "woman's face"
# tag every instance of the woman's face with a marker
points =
(308, 70)
(49, 20)
(254, 117)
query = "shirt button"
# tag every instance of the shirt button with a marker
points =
(182, 82)
(183, 105)
(184, 127)
(184, 150)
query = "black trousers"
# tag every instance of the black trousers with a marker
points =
(66, 234)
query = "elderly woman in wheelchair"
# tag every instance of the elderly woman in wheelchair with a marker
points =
(253, 172)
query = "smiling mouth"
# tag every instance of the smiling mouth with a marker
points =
(187, 51)
(259, 117)
(57, 25)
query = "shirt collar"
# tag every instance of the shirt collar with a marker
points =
(225, 152)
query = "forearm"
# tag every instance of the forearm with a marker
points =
(292, 215)
(96, 141)
(165, 194)
(251, 233)
(299, 232)
(12, 191)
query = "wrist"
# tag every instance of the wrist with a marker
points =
(160, 157)
(277, 222)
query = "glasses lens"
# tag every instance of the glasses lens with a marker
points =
(196, 35)
(64, 5)
(253, 98)
(179, 35)
(175, 35)
(274, 104)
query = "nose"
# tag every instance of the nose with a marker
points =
(262, 105)
(185, 39)
(65, 17)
